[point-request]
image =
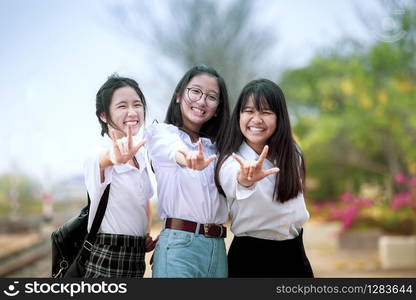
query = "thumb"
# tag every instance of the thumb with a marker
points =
(210, 159)
(138, 146)
(272, 171)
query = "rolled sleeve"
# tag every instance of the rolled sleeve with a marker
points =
(162, 142)
(93, 179)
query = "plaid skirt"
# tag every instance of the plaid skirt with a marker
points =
(116, 255)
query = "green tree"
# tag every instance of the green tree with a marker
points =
(224, 35)
(355, 112)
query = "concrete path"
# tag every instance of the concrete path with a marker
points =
(326, 257)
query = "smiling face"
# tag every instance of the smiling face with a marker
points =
(196, 113)
(257, 126)
(126, 108)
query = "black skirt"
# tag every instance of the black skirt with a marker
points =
(260, 258)
(116, 255)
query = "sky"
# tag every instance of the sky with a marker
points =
(55, 54)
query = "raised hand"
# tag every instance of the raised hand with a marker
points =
(195, 160)
(252, 171)
(123, 148)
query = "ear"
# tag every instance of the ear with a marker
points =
(178, 99)
(103, 117)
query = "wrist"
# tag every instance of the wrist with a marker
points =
(105, 161)
(244, 182)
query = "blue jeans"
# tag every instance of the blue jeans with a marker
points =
(188, 255)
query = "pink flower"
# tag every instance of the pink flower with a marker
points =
(347, 197)
(349, 216)
(400, 178)
(363, 202)
(401, 200)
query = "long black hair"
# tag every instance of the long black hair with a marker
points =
(105, 96)
(215, 127)
(283, 150)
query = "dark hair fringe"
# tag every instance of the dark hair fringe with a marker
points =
(105, 94)
(283, 150)
(214, 128)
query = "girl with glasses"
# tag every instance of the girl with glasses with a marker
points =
(261, 172)
(182, 152)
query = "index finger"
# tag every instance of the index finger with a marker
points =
(129, 137)
(263, 154)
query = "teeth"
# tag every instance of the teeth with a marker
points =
(131, 122)
(198, 110)
(256, 129)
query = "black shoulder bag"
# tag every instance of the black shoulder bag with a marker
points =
(71, 243)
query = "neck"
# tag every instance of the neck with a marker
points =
(192, 130)
(256, 147)
(193, 135)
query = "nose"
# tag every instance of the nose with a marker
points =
(257, 118)
(131, 111)
(203, 99)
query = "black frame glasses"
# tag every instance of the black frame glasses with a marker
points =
(195, 94)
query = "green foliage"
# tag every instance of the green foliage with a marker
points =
(355, 113)
(18, 195)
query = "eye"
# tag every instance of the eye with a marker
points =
(138, 104)
(212, 98)
(195, 91)
(122, 106)
(267, 112)
(248, 110)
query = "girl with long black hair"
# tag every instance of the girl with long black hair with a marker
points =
(261, 171)
(182, 151)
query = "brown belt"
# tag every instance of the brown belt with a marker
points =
(208, 230)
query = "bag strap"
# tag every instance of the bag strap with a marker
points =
(98, 218)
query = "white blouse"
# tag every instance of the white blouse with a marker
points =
(183, 193)
(253, 211)
(129, 191)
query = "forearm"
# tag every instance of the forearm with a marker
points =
(149, 216)
(104, 162)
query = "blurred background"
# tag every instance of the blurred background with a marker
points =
(347, 67)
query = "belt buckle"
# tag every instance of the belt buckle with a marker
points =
(206, 231)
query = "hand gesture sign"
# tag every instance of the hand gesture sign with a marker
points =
(252, 171)
(123, 148)
(195, 160)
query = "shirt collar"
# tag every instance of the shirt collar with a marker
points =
(206, 142)
(249, 154)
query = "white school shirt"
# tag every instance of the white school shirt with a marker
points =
(183, 193)
(253, 211)
(129, 191)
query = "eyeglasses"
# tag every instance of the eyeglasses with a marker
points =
(195, 94)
